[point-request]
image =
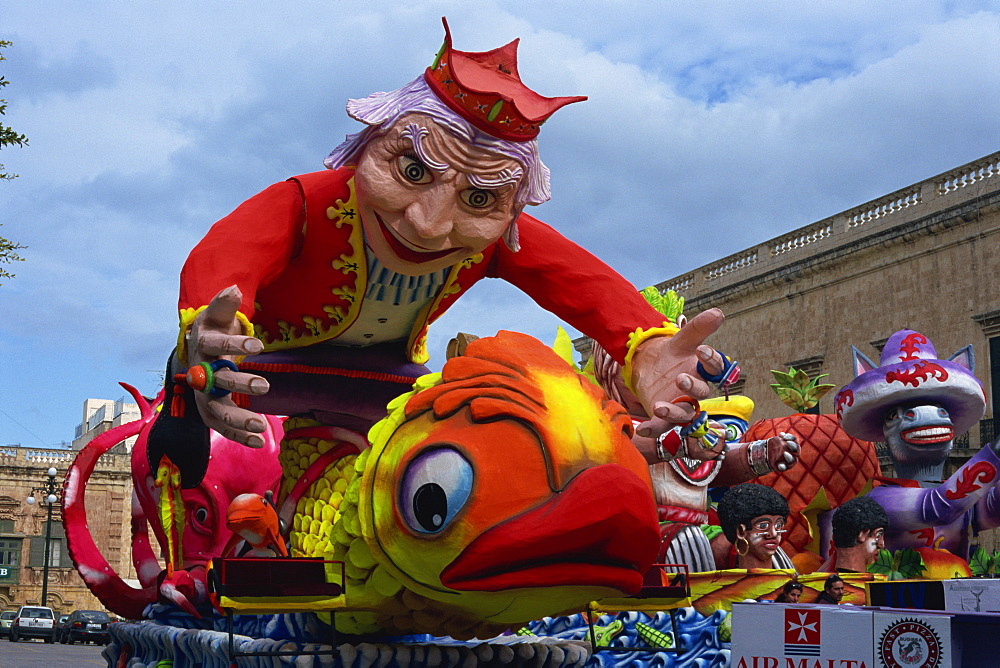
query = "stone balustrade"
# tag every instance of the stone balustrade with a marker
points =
(918, 201)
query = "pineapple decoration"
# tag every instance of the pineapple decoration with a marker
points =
(833, 466)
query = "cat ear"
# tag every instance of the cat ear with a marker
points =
(861, 363)
(965, 357)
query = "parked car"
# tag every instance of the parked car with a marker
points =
(88, 626)
(6, 619)
(33, 621)
(61, 628)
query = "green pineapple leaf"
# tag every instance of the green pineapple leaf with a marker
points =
(797, 391)
(667, 303)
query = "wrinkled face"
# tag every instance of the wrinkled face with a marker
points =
(429, 199)
(872, 541)
(836, 591)
(764, 535)
(793, 595)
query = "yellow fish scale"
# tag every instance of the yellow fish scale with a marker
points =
(318, 509)
(326, 524)
(372, 586)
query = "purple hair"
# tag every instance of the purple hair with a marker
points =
(380, 111)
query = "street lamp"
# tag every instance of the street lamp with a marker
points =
(49, 490)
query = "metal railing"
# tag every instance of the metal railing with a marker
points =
(987, 431)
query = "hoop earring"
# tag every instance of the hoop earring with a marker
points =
(745, 550)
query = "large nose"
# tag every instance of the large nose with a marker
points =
(432, 214)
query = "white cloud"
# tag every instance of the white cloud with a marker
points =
(710, 127)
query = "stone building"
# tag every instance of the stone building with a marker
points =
(923, 257)
(100, 415)
(22, 528)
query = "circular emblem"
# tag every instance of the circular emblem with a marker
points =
(910, 643)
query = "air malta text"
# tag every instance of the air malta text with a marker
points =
(775, 662)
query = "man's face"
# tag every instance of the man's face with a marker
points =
(425, 207)
(836, 591)
(873, 540)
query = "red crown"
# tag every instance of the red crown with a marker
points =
(485, 89)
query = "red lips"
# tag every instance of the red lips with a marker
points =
(405, 252)
(922, 435)
(600, 530)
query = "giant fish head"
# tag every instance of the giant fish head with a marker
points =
(233, 469)
(510, 489)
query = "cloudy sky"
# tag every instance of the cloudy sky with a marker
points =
(711, 126)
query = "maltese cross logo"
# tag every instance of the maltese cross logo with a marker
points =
(802, 627)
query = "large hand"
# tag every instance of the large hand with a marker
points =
(782, 452)
(697, 448)
(217, 334)
(665, 368)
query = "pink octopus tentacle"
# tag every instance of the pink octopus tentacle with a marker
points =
(95, 570)
(147, 566)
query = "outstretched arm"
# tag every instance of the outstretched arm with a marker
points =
(239, 254)
(917, 508)
(745, 461)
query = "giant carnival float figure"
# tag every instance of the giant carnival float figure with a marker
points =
(313, 298)
(682, 466)
(918, 404)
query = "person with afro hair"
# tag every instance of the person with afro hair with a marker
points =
(859, 527)
(753, 521)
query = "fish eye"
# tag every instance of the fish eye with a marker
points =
(413, 170)
(435, 486)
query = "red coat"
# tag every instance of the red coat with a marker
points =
(296, 250)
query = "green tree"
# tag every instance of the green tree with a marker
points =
(8, 137)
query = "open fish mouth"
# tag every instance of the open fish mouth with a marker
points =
(928, 435)
(596, 532)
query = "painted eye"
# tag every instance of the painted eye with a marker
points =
(478, 198)
(435, 486)
(413, 170)
(734, 431)
(199, 519)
